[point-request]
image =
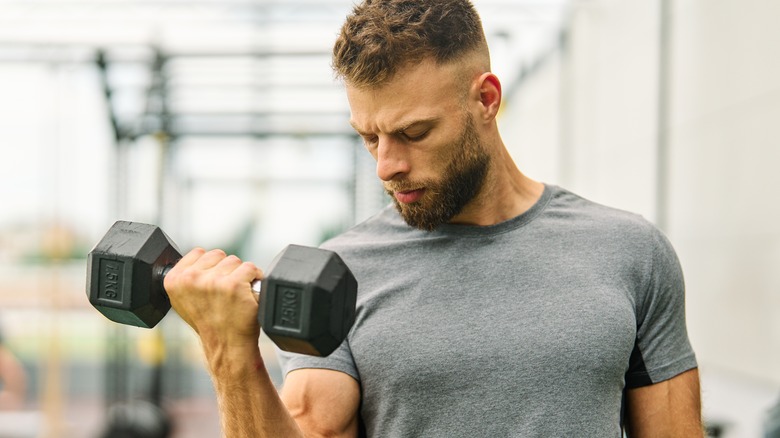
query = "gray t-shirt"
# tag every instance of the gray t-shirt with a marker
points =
(529, 328)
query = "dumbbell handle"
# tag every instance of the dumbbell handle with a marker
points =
(256, 284)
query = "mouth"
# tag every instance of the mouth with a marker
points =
(409, 196)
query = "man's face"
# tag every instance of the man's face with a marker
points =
(445, 197)
(426, 143)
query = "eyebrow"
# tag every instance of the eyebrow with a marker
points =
(361, 133)
(403, 127)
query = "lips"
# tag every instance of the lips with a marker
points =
(409, 196)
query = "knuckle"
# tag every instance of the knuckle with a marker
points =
(233, 258)
(218, 252)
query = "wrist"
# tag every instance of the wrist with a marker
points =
(233, 360)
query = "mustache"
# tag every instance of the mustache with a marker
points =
(404, 186)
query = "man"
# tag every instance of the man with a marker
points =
(489, 304)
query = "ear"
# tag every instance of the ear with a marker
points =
(489, 95)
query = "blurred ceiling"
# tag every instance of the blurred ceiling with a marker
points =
(231, 67)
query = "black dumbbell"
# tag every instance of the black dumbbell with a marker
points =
(307, 300)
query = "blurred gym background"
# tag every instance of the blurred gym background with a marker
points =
(220, 120)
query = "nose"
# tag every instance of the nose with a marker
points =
(391, 162)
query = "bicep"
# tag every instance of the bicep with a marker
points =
(668, 408)
(322, 402)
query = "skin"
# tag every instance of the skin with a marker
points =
(671, 408)
(411, 126)
(426, 204)
(421, 99)
(13, 380)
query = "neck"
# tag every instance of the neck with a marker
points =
(506, 193)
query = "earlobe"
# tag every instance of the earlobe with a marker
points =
(490, 95)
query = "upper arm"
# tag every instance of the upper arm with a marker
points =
(323, 402)
(669, 408)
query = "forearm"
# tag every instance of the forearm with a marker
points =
(212, 294)
(249, 404)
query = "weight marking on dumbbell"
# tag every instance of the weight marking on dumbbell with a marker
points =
(289, 311)
(110, 279)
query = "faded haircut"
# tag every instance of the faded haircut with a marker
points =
(380, 37)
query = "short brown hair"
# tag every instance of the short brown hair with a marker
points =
(382, 36)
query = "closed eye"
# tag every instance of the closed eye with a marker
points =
(370, 140)
(415, 136)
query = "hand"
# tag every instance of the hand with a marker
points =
(211, 291)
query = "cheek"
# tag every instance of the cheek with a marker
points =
(442, 153)
(447, 159)
(431, 167)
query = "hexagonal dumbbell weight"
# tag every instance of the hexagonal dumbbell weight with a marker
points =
(307, 300)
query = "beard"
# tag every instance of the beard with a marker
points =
(460, 182)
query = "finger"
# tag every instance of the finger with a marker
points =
(247, 272)
(228, 264)
(259, 275)
(190, 258)
(209, 259)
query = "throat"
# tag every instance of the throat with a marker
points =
(500, 201)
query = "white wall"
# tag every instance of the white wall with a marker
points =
(725, 149)
(593, 106)
(593, 113)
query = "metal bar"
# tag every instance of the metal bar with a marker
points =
(258, 114)
(100, 61)
(565, 111)
(205, 87)
(191, 3)
(664, 85)
(261, 125)
(262, 134)
(74, 53)
(233, 180)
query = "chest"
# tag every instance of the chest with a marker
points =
(466, 328)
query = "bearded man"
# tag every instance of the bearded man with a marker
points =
(490, 304)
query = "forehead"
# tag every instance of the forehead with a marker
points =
(420, 91)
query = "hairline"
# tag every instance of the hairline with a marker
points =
(477, 58)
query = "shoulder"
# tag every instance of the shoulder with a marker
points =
(623, 237)
(386, 225)
(570, 210)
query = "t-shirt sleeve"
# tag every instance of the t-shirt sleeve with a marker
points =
(662, 349)
(340, 360)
